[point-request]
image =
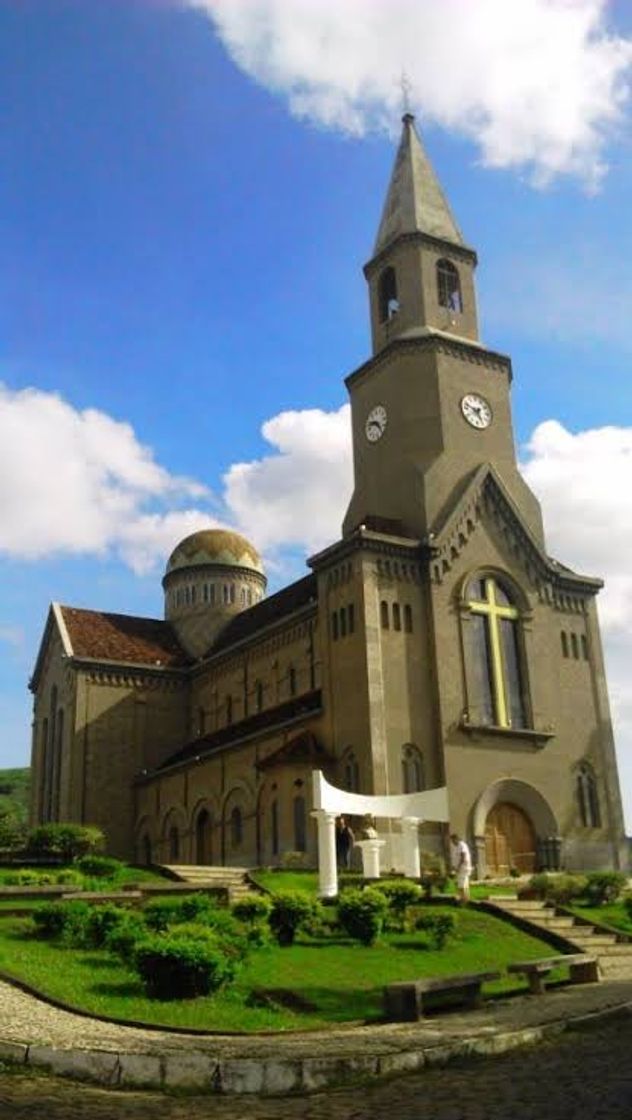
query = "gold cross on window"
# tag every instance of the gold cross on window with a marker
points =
(494, 611)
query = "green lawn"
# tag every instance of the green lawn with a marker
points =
(49, 876)
(312, 984)
(613, 914)
(275, 880)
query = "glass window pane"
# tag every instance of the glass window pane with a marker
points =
(513, 683)
(476, 590)
(479, 659)
(502, 597)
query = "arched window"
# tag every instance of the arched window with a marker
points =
(334, 625)
(300, 831)
(343, 622)
(397, 618)
(387, 294)
(496, 692)
(564, 637)
(226, 593)
(236, 828)
(351, 617)
(588, 798)
(574, 645)
(449, 286)
(408, 619)
(413, 777)
(384, 615)
(351, 773)
(174, 844)
(259, 696)
(232, 592)
(212, 594)
(291, 680)
(203, 834)
(274, 827)
(229, 709)
(201, 721)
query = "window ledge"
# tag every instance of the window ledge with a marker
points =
(527, 734)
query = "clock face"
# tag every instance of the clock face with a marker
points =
(375, 423)
(476, 410)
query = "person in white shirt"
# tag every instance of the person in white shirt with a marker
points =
(462, 864)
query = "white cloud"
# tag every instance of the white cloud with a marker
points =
(80, 482)
(296, 496)
(537, 84)
(584, 482)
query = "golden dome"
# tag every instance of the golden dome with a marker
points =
(220, 547)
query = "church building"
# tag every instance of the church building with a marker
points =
(436, 643)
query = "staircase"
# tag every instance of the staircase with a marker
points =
(614, 956)
(233, 879)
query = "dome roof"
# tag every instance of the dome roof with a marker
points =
(214, 546)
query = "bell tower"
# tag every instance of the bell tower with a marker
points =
(431, 406)
(422, 272)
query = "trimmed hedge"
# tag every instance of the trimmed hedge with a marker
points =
(362, 914)
(180, 967)
(290, 910)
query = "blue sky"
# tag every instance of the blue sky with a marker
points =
(188, 193)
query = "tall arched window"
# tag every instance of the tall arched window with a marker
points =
(203, 837)
(449, 286)
(351, 773)
(174, 843)
(236, 827)
(300, 830)
(259, 696)
(387, 294)
(384, 619)
(274, 827)
(291, 680)
(229, 709)
(413, 778)
(588, 798)
(496, 691)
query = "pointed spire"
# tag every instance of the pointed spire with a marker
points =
(415, 202)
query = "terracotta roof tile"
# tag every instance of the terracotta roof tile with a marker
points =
(122, 637)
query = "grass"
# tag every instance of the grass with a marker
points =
(50, 876)
(272, 879)
(612, 914)
(312, 984)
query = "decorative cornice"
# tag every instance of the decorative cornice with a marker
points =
(486, 493)
(438, 342)
(449, 248)
(368, 540)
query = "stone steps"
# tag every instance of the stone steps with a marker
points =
(233, 879)
(615, 957)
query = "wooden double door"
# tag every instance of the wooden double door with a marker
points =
(510, 840)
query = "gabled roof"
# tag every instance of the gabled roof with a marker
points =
(126, 638)
(415, 202)
(303, 748)
(451, 535)
(268, 611)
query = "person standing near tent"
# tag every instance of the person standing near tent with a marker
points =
(344, 843)
(462, 864)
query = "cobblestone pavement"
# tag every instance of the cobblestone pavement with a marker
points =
(581, 1076)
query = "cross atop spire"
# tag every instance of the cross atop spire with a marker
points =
(415, 202)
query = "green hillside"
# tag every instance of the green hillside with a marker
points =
(14, 803)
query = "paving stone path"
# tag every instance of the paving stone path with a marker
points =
(580, 1076)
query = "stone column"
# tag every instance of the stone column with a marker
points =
(370, 857)
(327, 869)
(410, 846)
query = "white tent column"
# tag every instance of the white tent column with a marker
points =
(410, 847)
(327, 868)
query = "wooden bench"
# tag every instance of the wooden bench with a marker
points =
(583, 970)
(405, 1000)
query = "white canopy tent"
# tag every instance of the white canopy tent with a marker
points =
(409, 808)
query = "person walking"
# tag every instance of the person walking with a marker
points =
(462, 864)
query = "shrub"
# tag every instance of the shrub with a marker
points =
(560, 889)
(434, 874)
(76, 929)
(102, 920)
(254, 908)
(68, 841)
(48, 920)
(161, 913)
(124, 935)
(180, 967)
(399, 895)
(437, 927)
(361, 914)
(627, 902)
(99, 867)
(290, 909)
(604, 886)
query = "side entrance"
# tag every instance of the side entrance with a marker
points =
(510, 840)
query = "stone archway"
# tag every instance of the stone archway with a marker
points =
(204, 837)
(509, 820)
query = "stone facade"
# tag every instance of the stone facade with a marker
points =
(435, 643)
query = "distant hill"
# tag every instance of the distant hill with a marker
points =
(15, 788)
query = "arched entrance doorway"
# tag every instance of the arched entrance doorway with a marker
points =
(510, 840)
(203, 841)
